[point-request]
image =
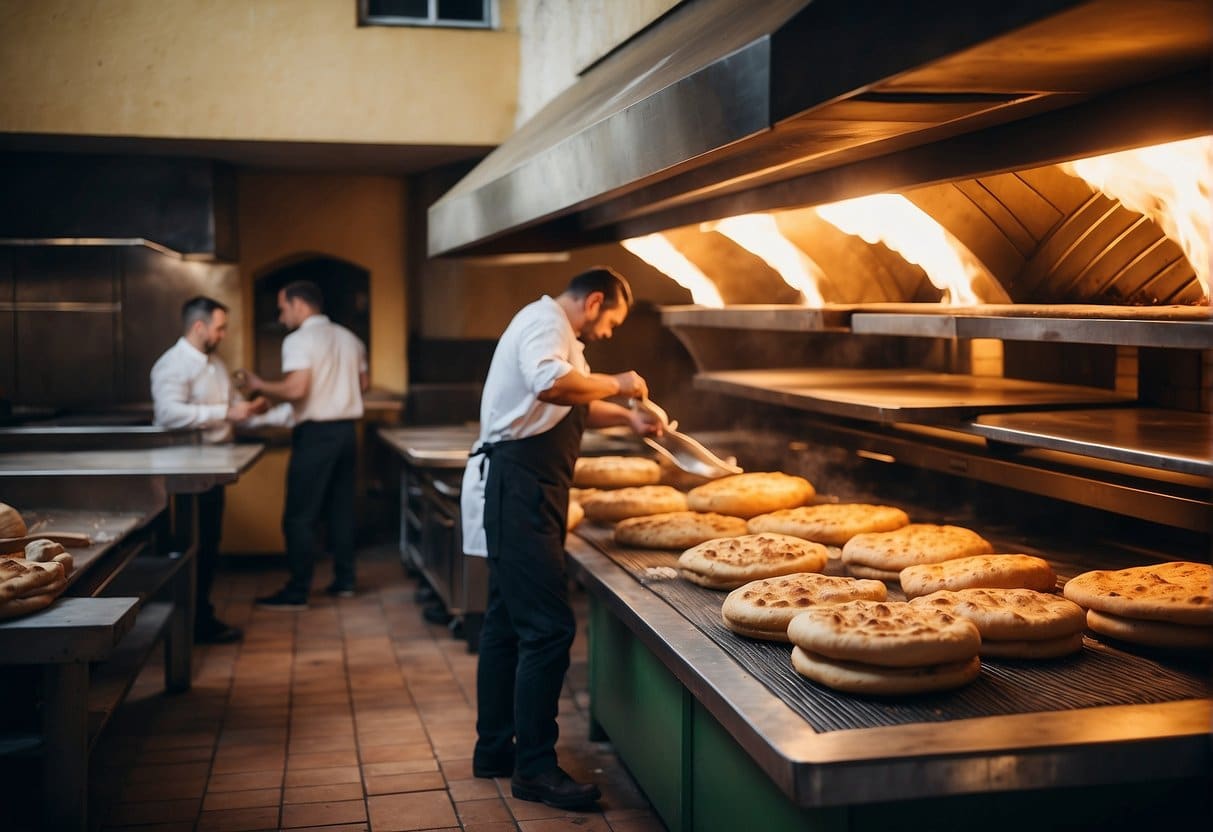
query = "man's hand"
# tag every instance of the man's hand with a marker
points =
(239, 411)
(644, 423)
(632, 385)
(247, 381)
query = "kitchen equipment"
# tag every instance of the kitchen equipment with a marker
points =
(682, 450)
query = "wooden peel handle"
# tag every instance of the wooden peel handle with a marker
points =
(68, 539)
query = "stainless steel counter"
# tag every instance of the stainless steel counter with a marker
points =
(1075, 747)
(107, 529)
(184, 468)
(899, 395)
(448, 446)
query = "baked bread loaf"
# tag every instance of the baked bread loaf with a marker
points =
(11, 522)
(748, 495)
(991, 571)
(19, 577)
(886, 633)
(729, 562)
(1180, 592)
(676, 529)
(615, 471)
(42, 550)
(1150, 633)
(912, 545)
(831, 524)
(1014, 622)
(634, 501)
(764, 608)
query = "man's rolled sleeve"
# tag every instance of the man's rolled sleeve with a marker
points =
(294, 355)
(542, 357)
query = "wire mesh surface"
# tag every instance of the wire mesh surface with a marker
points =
(1098, 675)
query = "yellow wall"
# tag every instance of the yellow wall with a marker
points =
(293, 70)
(356, 218)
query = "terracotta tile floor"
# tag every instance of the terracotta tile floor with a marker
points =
(353, 715)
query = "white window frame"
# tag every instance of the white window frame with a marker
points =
(365, 18)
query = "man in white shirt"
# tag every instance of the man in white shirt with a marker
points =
(538, 398)
(191, 389)
(324, 376)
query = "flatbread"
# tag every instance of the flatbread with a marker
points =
(855, 677)
(730, 562)
(832, 524)
(764, 608)
(635, 501)
(1179, 592)
(1010, 614)
(576, 514)
(858, 570)
(885, 633)
(1151, 633)
(580, 495)
(1049, 648)
(24, 606)
(19, 578)
(990, 571)
(747, 495)
(676, 529)
(615, 471)
(912, 545)
(42, 550)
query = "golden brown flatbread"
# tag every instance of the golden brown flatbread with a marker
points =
(858, 570)
(764, 608)
(1151, 633)
(874, 680)
(831, 524)
(635, 501)
(729, 562)
(747, 495)
(1010, 614)
(615, 471)
(1048, 648)
(912, 545)
(676, 530)
(19, 577)
(885, 633)
(576, 514)
(1179, 592)
(990, 571)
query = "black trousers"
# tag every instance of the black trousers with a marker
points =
(210, 525)
(528, 624)
(320, 487)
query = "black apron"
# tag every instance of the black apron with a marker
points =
(527, 491)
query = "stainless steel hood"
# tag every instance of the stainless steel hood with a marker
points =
(725, 106)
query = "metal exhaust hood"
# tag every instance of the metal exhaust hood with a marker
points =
(727, 106)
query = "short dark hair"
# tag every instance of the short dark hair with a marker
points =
(200, 308)
(612, 284)
(306, 291)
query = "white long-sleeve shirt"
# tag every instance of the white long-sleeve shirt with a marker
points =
(191, 389)
(538, 347)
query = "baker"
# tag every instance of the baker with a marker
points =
(538, 398)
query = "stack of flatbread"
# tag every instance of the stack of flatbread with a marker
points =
(748, 495)
(882, 555)
(615, 471)
(979, 571)
(1165, 605)
(634, 501)
(32, 582)
(676, 529)
(764, 608)
(831, 524)
(884, 648)
(730, 562)
(1014, 623)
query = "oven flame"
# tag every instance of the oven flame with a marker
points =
(760, 235)
(660, 253)
(1169, 183)
(911, 232)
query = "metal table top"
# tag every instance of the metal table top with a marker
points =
(899, 395)
(448, 446)
(106, 528)
(1170, 440)
(184, 468)
(999, 753)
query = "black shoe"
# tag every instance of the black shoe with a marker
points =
(216, 632)
(282, 600)
(556, 789)
(339, 590)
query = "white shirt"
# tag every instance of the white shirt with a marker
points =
(538, 347)
(336, 358)
(191, 389)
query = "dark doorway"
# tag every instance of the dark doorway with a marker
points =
(347, 301)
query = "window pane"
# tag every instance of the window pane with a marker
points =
(398, 8)
(469, 10)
